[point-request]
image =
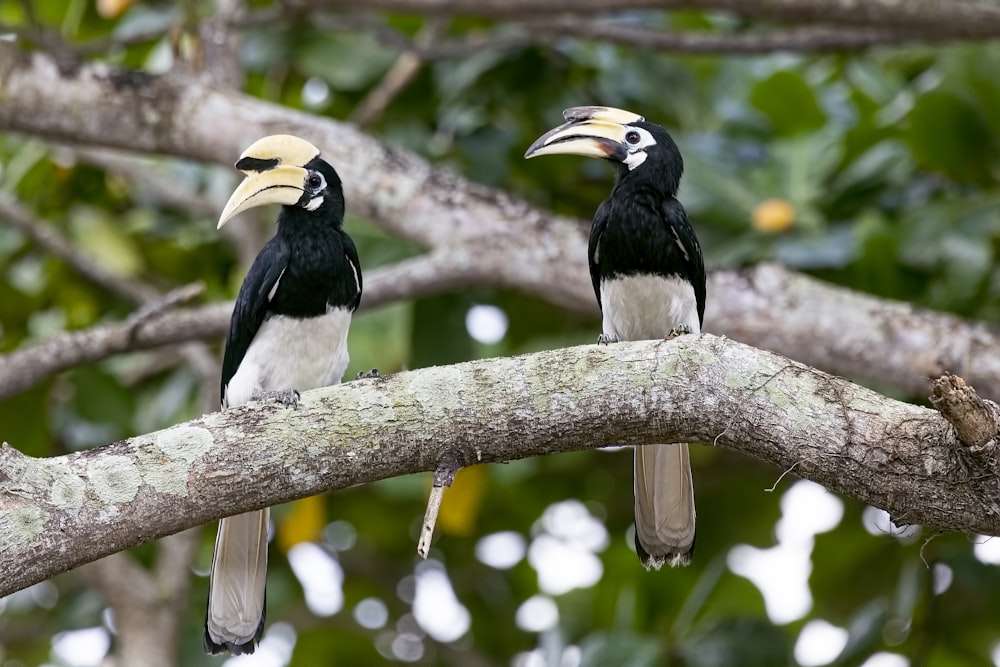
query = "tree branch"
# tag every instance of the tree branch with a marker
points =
(50, 239)
(954, 17)
(60, 512)
(486, 237)
(800, 40)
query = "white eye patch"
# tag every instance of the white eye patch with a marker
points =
(637, 140)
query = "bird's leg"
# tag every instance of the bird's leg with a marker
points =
(362, 375)
(287, 397)
(678, 330)
(607, 339)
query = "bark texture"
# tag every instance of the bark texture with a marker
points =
(61, 512)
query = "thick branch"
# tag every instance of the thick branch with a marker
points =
(61, 512)
(489, 238)
(958, 18)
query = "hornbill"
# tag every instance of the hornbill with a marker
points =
(649, 278)
(288, 332)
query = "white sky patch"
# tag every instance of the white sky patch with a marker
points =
(536, 614)
(807, 509)
(435, 605)
(571, 521)
(781, 573)
(995, 654)
(486, 323)
(371, 613)
(943, 576)
(340, 535)
(987, 550)
(315, 92)
(563, 551)
(81, 648)
(819, 643)
(877, 522)
(408, 647)
(321, 576)
(884, 659)
(275, 649)
(572, 656)
(501, 550)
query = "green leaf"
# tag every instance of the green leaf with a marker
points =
(947, 134)
(347, 61)
(744, 641)
(789, 103)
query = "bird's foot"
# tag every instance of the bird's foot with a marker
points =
(679, 330)
(287, 397)
(607, 339)
(373, 373)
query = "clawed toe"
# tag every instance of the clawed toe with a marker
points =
(287, 397)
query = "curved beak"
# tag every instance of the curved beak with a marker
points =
(589, 131)
(278, 185)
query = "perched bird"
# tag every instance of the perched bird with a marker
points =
(288, 332)
(649, 278)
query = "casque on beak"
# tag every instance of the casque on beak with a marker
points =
(276, 174)
(589, 131)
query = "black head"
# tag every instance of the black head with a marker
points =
(283, 169)
(639, 149)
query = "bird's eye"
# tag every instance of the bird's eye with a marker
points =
(632, 137)
(314, 181)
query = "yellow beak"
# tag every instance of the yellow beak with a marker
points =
(278, 185)
(590, 131)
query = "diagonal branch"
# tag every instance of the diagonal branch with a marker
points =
(60, 512)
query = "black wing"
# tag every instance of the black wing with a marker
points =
(594, 248)
(689, 255)
(352, 256)
(252, 305)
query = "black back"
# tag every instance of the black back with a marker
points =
(642, 228)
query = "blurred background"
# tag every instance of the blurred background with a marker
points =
(862, 157)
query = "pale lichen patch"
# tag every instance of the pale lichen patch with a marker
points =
(188, 443)
(375, 408)
(115, 479)
(167, 476)
(68, 492)
(438, 390)
(21, 524)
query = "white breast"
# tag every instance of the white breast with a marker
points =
(641, 307)
(292, 353)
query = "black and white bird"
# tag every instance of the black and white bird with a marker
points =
(649, 278)
(288, 332)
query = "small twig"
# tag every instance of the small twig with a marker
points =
(781, 477)
(50, 239)
(976, 421)
(402, 72)
(153, 308)
(443, 478)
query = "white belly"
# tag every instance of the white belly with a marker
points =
(645, 306)
(290, 353)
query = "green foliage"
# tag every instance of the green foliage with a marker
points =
(888, 160)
